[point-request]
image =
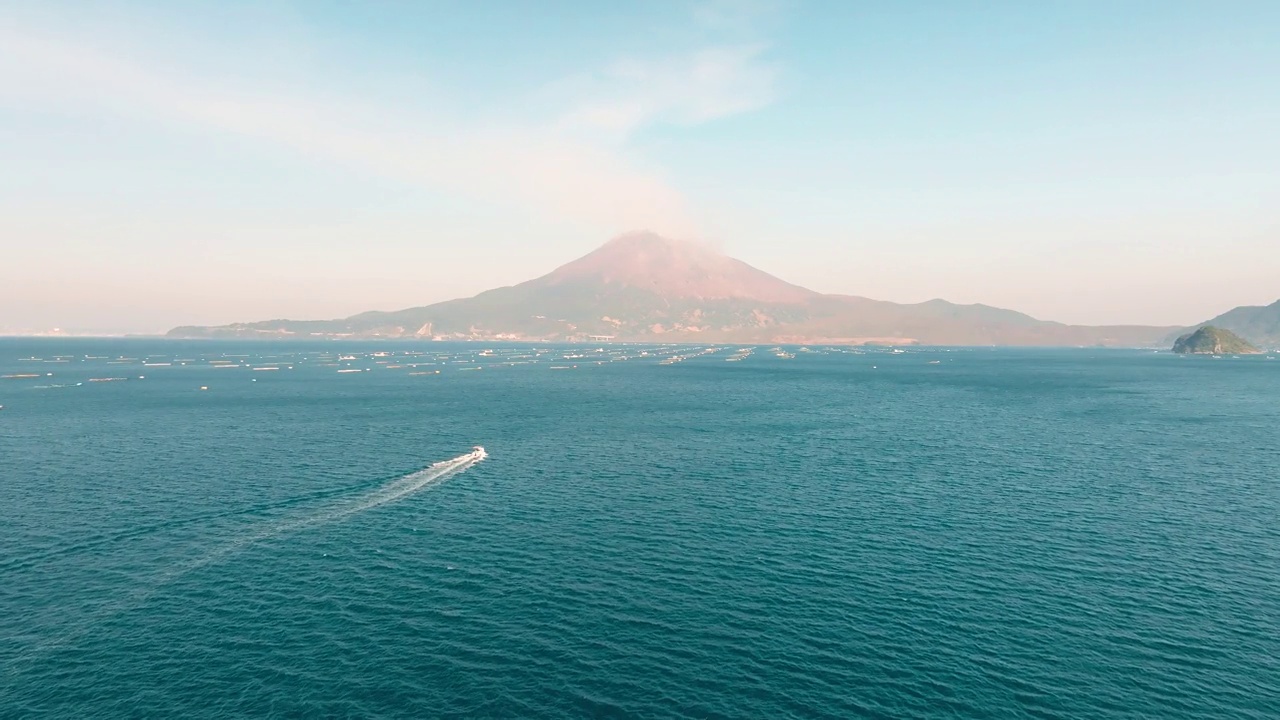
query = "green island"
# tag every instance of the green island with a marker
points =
(1210, 340)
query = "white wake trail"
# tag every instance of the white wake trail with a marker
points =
(393, 491)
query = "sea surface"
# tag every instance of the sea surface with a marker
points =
(804, 533)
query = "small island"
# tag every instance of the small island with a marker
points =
(1210, 340)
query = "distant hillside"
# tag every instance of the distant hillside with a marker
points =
(644, 287)
(1258, 324)
(1210, 340)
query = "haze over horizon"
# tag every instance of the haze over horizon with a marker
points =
(186, 163)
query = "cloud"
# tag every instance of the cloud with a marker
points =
(570, 162)
(735, 16)
(705, 85)
(541, 170)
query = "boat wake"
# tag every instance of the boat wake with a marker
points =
(393, 491)
(396, 490)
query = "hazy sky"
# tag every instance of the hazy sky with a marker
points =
(177, 162)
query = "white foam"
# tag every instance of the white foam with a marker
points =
(393, 491)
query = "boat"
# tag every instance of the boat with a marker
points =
(478, 452)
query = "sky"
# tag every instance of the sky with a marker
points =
(175, 162)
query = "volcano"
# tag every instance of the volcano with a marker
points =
(644, 287)
(673, 269)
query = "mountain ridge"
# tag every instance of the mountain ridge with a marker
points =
(643, 287)
(1258, 324)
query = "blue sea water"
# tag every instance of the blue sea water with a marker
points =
(965, 533)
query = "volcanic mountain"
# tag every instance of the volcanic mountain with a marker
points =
(644, 287)
(673, 269)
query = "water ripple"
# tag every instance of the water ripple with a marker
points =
(1012, 534)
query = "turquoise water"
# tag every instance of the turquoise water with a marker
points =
(973, 533)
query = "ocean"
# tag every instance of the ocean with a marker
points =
(656, 532)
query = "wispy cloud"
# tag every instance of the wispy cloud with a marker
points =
(572, 166)
(704, 85)
(740, 17)
(545, 172)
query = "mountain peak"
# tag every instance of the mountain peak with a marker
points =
(647, 240)
(641, 237)
(674, 269)
(642, 286)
